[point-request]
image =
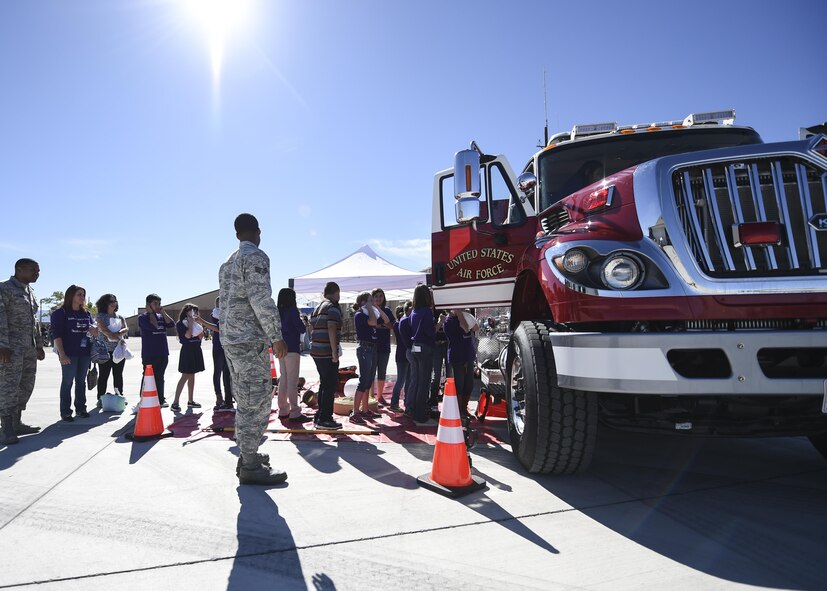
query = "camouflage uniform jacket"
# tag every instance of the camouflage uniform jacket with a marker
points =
(18, 305)
(248, 312)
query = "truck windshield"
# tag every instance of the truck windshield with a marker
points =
(570, 167)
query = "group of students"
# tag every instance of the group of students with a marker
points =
(419, 353)
(74, 332)
(418, 344)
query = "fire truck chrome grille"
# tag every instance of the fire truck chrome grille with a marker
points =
(712, 199)
(555, 220)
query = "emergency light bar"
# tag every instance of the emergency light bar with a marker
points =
(719, 117)
(726, 117)
(592, 129)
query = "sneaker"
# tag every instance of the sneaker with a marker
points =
(193, 404)
(228, 406)
(356, 418)
(299, 419)
(261, 474)
(175, 408)
(83, 414)
(395, 408)
(263, 458)
(164, 404)
(369, 414)
(329, 425)
(67, 418)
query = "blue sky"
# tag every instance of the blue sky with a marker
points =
(124, 158)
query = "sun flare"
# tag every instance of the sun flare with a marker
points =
(219, 20)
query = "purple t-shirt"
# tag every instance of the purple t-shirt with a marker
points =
(154, 339)
(364, 331)
(72, 326)
(460, 343)
(292, 328)
(422, 326)
(193, 341)
(383, 337)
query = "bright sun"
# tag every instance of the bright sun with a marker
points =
(219, 20)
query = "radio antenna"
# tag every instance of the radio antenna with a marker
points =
(545, 107)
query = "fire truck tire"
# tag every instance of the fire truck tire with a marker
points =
(820, 443)
(553, 430)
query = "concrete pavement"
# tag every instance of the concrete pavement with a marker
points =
(81, 509)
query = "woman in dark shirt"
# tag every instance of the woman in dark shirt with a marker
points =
(365, 321)
(72, 328)
(423, 330)
(292, 329)
(383, 341)
(190, 329)
(461, 355)
(402, 364)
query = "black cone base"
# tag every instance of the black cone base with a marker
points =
(141, 438)
(451, 491)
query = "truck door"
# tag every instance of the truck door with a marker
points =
(475, 264)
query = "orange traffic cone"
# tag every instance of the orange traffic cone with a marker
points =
(451, 471)
(274, 376)
(148, 424)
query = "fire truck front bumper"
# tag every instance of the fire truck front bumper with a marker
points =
(746, 363)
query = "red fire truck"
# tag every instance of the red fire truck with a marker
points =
(667, 276)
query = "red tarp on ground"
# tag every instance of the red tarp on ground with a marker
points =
(394, 427)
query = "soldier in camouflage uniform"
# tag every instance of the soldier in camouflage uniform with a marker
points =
(21, 346)
(249, 324)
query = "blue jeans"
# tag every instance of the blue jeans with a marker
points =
(75, 373)
(382, 358)
(422, 367)
(440, 353)
(401, 376)
(366, 355)
(410, 382)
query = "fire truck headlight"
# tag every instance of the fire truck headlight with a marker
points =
(575, 260)
(621, 271)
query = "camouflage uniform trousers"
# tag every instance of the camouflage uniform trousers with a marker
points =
(249, 365)
(17, 380)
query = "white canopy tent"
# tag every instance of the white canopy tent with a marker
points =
(360, 271)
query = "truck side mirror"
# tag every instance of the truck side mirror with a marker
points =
(526, 183)
(467, 186)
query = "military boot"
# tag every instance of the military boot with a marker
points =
(259, 473)
(22, 428)
(7, 434)
(263, 458)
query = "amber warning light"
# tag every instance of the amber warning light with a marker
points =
(756, 234)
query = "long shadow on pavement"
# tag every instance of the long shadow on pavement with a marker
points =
(365, 457)
(742, 510)
(266, 557)
(50, 437)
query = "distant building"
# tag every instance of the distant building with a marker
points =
(205, 303)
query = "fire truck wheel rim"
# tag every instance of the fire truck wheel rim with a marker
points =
(516, 407)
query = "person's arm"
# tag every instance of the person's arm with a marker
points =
(93, 327)
(170, 321)
(124, 332)
(297, 320)
(333, 335)
(58, 326)
(386, 323)
(5, 345)
(256, 275)
(103, 326)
